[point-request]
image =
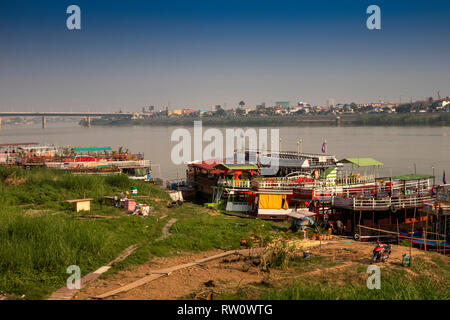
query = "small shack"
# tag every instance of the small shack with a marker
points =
(81, 204)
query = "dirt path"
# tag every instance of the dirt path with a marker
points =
(64, 293)
(178, 284)
(226, 274)
(166, 229)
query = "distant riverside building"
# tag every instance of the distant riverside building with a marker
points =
(330, 103)
(283, 104)
(175, 112)
(188, 111)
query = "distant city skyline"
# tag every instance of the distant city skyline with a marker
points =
(132, 54)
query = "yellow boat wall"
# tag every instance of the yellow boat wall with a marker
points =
(273, 201)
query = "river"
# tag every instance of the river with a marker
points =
(401, 149)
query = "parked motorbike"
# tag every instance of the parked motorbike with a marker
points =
(381, 252)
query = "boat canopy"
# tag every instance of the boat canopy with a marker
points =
(93, 149)
(409, 177)
(232, 166)
(362, 162)
(286, 163)
(207, 164)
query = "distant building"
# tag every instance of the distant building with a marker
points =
(175, 112)
(283, 104)
(188, 111)
(281, 110)
(330, 103)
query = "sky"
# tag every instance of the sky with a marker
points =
(196, 54)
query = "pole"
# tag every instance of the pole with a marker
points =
(445, 234)
(434, 178)
(412, 234)
(389, 232)
(425, 234)
(360, 213)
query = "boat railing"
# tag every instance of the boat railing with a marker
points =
(342, 184)
(274, 186)
(372, 203)
(118, 164)
(343, 181)
(278, 184)
(238, 184)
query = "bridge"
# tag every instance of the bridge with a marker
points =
(44, 115)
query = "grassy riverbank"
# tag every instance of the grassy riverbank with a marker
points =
(40, 234)
(428, 278)
(407, 119)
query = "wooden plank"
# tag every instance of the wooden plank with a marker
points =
(66, 294)
(165, 272)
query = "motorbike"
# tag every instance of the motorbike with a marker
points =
(381, 252)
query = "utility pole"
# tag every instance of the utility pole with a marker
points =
(434, 178)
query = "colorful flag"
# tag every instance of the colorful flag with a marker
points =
(324, 147)
(444, 178)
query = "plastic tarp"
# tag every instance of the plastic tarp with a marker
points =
(273, 201)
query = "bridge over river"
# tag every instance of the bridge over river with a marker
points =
(44, 115)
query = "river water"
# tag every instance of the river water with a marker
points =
(401, 149)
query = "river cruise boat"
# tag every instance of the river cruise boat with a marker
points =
(80, 160)
(394, 204)
(13, 153)
(439, 213)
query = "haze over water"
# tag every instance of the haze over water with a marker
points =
(399, 148)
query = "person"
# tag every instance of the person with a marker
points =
(329, 227)
(339, 226)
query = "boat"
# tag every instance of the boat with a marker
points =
(394, 204)
(80, 160)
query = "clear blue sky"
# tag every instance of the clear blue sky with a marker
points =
(199, 53)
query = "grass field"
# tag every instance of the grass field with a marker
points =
(40, 234)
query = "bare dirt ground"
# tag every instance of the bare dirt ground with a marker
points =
(227, 273)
